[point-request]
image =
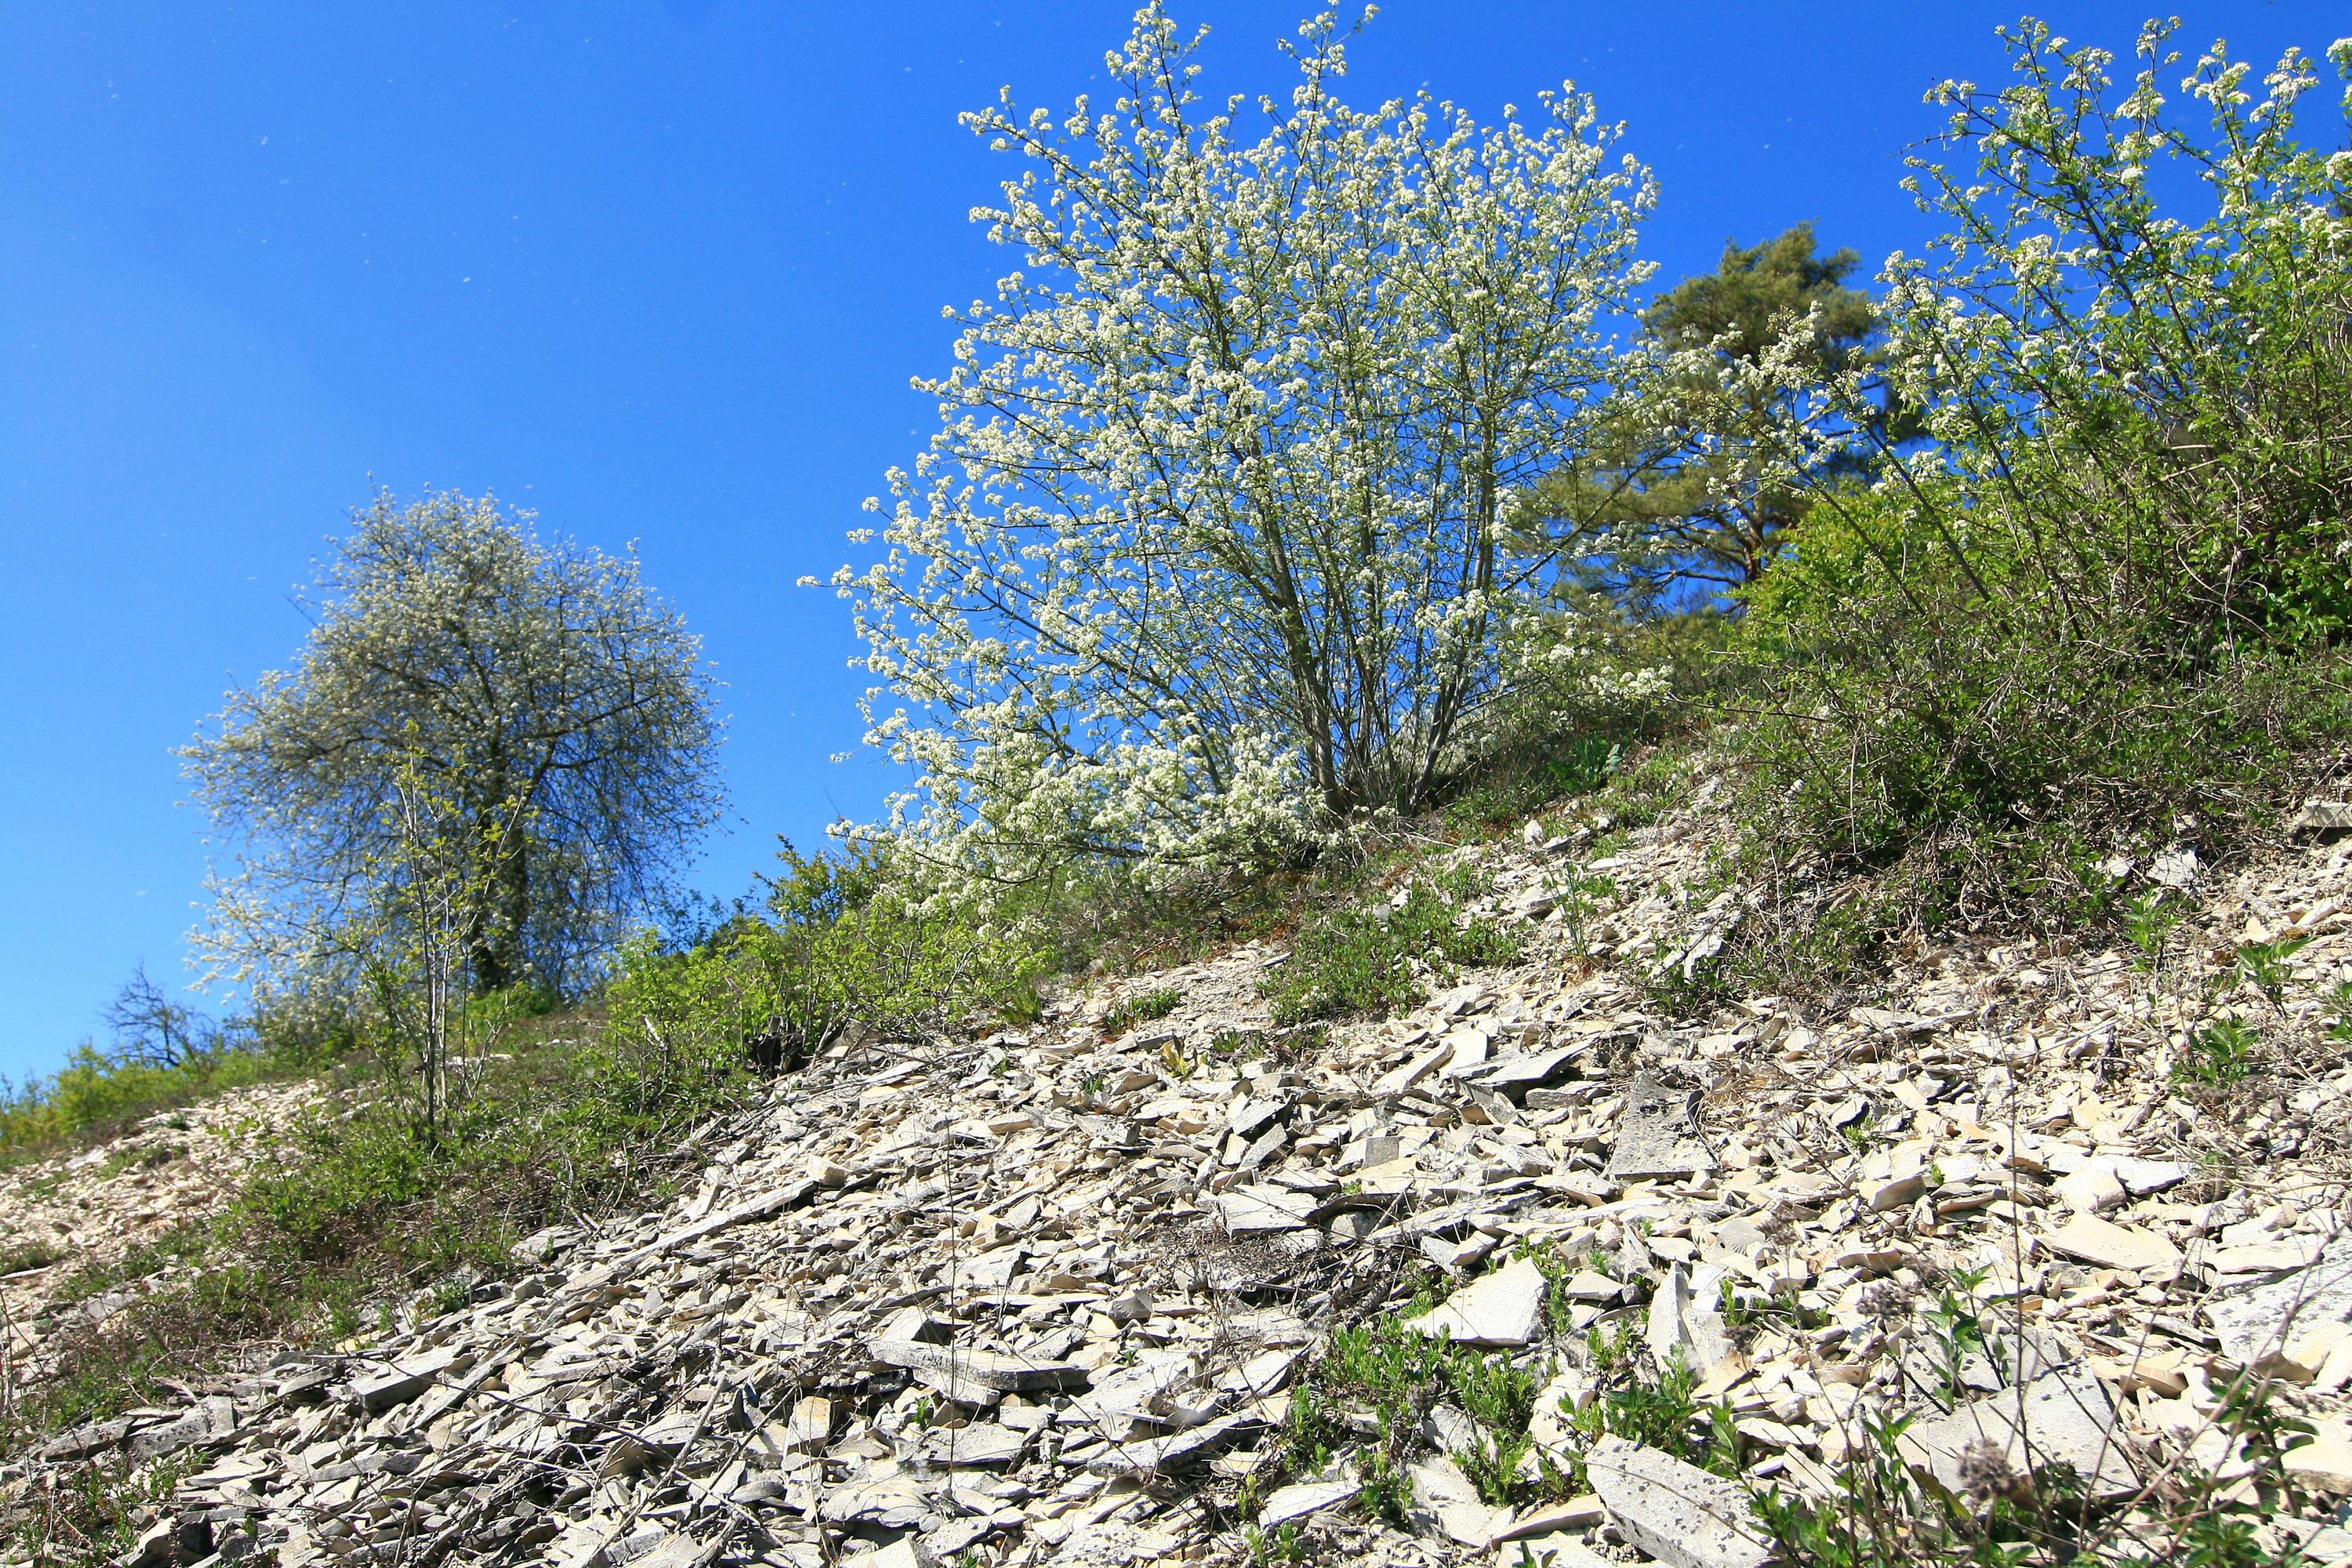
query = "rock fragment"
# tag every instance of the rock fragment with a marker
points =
(1678, 1513)
(1498, 1311)
(1658, 1135)
(2061, 1415)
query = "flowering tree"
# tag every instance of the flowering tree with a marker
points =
(1210, 548)
(556, 713)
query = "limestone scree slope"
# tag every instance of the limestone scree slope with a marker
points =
(1045, 1297)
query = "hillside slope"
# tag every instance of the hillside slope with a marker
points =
(1165, 1296)
(86, 1210)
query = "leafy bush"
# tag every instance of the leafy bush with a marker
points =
(2110, 595)
(1585, 691)
(863, 943)
(1897, 714)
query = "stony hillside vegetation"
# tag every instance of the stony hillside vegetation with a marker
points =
(82, 1213)
(1570, 1262)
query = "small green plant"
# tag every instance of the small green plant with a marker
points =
(1882, 1518)
(1383, 1490)
(2339, 1013)
(1282, 1544)
(2267, 965)
(2220, 1053)
(1783, 1306)
(1133, 1010)
(1500, 1397)
(1959, 1328)
(1360, 960)
(2149, 923)
(1556, 1268)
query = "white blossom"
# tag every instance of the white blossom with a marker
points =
(1209, 551)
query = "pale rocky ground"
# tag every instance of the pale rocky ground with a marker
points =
(1040, 1298)
(90, 1207)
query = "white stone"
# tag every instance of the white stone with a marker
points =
(1676, 1512)
(1302, 1498)
(2062, 1415)
(1501, 1310)
(2110, 1246)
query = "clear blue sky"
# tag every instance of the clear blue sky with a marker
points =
(659, 270)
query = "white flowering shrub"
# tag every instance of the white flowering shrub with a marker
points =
(2112, 591)
(554, 712)
(1210, 550)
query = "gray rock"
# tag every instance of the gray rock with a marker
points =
(93, 1439)
(1685, 1316)
(2322, 819)
(983, 1445)
(1501, 1310)
(1658, 1135)
(212, 1420)
(401, 1381)
(986, 1369)
(2059, 1415)
(1157, 1455)
(2256, 1323)
(1302, 1498)
(1525, 1071)
(1251, 1116)
(1676, 1512)
(1246, 1210)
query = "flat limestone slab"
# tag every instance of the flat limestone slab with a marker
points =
(982, 1445)
(1260, 1209)
(1658, 1135)
(1302, 1498)
(2065, 1415)
(986, 1369)
(1177, 1451)
(1676, 1512)
(2257, 1323)
(402, 1381)
(2325, 1462)
(2110, 1246)
(1498, 1311)
(1684, 1316)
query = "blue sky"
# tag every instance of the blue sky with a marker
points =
(660, 272)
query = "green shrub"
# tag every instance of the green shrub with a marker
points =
(2220, 1053)
(1361, 959)
(1585, 691)
(2110, 595)
(860, 946)
(1897, 713)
